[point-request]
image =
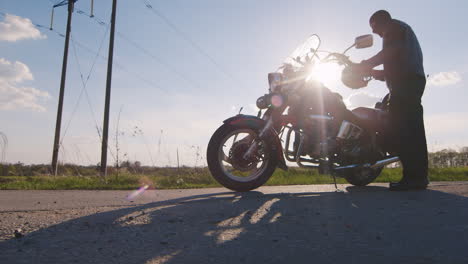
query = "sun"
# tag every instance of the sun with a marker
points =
(327, 73)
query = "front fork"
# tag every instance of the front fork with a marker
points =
(253, 146)
(267, 127)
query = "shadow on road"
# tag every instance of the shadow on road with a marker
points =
(363, 225)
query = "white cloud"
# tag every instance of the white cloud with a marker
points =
(12, 95)
(361, 99)
(444, 79)
(14, 72)
(15, 28)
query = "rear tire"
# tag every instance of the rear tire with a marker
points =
(220, 172)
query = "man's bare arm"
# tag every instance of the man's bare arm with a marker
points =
(379, 58)
(394, 41)
(378, 75)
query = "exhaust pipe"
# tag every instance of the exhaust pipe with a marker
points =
(384, 162)
(376, 165)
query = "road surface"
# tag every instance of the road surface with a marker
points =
(281, 224)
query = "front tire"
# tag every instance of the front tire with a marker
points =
(227, 165)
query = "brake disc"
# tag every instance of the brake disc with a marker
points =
(236, 155)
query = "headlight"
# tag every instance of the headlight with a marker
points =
(275, 79)
(276, 100)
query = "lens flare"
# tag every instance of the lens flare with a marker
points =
(277, 100)
(137, 193)
(327, 73)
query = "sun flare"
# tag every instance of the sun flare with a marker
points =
(326, 73)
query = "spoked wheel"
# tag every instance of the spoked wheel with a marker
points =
(231, 164)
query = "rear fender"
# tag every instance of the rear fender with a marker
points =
(257, 124)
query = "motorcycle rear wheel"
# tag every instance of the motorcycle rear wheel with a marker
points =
(226, 162)
(361, 176)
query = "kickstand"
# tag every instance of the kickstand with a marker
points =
(336, 186)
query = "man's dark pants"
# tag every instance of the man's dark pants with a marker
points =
(408, 134)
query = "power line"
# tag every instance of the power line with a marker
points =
(79, 97)
(46, 29)
(84, 88)
(74, 43)
(122, 68)
(168, 66)
(188, 39)
(144, 50)
(62, 3)
(85, 82)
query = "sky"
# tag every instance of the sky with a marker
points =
(181, 67)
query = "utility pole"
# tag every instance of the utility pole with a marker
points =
(105, 131)
(62, 89)
(178, 164)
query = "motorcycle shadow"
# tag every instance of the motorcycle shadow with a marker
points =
(362, 225)
(367, 189)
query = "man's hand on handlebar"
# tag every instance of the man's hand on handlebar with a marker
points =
(364, 67)
(378, 75)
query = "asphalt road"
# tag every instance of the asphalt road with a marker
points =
(282, 224)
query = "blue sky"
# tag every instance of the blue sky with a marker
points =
(175, 86)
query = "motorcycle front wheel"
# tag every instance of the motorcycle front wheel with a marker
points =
(228, 163)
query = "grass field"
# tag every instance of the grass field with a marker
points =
(171, 178)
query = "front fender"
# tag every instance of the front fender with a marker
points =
(257, 124)
(242, 120)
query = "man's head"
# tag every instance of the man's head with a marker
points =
(379, 21)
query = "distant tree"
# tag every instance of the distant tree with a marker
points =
(464, 150)
(449, 158)
(126, 164)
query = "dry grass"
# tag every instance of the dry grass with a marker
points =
(173, 178)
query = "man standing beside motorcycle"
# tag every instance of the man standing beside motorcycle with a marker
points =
(403, 72)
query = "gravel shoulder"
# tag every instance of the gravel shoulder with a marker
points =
(277, 224)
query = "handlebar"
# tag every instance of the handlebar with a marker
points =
(339, 57)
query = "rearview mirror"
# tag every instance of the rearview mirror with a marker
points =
(364, 41)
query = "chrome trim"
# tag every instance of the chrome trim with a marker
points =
(290, 155)
(376, 165)
(348, 130)
(384, 162)
(267, 127)
(228, 172)
(347, 167)
(321, 117)
(299, 150)
(254, 143)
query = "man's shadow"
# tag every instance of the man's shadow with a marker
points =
(363, 225)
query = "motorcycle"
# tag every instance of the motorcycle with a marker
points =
(312, 122)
